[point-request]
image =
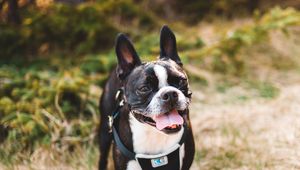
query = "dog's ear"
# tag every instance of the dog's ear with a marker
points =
(127, 56)
(168, 48)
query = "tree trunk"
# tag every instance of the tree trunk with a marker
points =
(13, 12)
(252, 5)
(3, 133)
(2, 4)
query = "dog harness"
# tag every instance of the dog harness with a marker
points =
(169, 160)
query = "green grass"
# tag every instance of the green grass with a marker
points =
(264, 89)
(52, 104)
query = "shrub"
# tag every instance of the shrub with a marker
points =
(80, 29)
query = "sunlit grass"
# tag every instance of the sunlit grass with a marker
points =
(51, 106)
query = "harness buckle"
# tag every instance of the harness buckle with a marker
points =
(118, 94)
(122, 102)
(110, 123)
(119, 98)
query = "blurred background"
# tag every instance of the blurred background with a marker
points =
(242, 58)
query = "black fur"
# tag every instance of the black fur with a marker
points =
(168, 48)
(127, 56)
(132, 75)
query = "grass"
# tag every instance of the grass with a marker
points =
(253, 134)
(241, 121)
(260, 133)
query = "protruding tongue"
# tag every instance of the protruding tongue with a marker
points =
(169, 119)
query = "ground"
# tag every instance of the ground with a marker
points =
(244, 125)
(247, 134)
(233, 130)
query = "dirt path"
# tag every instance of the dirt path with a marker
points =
(253, 134)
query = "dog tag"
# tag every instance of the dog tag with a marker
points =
(157, 162)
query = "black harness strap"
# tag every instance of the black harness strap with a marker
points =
(112, 118)
(130, 155)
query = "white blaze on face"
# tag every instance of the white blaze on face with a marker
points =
(155, 106)
(161, 74)
(145, 137)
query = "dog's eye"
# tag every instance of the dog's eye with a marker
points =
(189, 94)
(144, 89)
(182, 82)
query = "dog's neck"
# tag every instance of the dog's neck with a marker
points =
(149, 140)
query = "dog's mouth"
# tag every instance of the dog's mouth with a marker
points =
(169, 122)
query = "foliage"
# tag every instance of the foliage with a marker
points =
(55, 101)
(81, 29)
(226, 52)
(191, 12)
(50, 104)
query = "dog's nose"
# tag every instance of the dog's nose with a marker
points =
(169, 97)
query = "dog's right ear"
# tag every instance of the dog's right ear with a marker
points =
(168, 47)
(127, 56)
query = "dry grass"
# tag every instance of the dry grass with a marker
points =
(230, 132)
(83, 158)
(234, 128)
(252, 134)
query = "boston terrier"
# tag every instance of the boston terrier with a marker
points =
(146, 105)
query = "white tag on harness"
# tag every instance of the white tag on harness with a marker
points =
(168, 160)
(157, 162)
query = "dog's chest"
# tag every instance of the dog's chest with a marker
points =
(148, 140)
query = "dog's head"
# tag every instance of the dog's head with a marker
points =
(158, 91)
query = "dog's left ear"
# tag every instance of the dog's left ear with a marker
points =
(127, 56)
(168, 47)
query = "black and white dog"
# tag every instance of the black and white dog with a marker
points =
(153, 123)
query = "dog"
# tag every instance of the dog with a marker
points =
(146, 105)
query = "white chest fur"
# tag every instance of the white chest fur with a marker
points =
(149, 140)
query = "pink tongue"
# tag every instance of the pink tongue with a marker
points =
(169, 119)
